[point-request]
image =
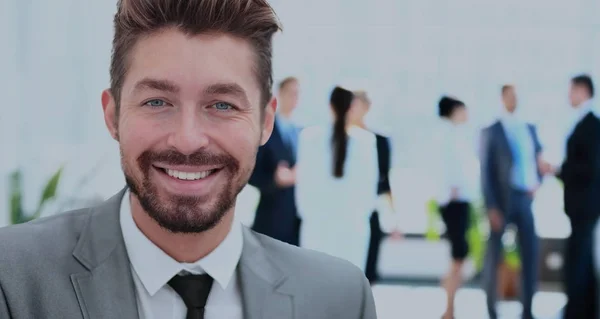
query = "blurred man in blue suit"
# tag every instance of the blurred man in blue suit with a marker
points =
(274, 173)
(510, 177)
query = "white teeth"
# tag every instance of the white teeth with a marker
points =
(188, 176)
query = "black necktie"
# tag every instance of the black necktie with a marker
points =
(194, 290)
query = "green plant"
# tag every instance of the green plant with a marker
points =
(17, 212)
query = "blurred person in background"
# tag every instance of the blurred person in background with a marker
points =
(336, 184)
(275, 175)
(458, 160)
(359, 109)
(580, 174)
(510, 176)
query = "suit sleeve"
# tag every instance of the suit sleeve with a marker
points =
(487, 171)
(4, 313)
(581, 166)
(368, 302)
(263, 176)
(536, 140)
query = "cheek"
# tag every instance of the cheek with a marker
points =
(240, 142)
(137, 134)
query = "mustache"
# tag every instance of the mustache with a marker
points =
(198, 158)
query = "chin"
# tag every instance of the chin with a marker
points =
(184, 216)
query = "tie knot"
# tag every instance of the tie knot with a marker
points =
(193, 289)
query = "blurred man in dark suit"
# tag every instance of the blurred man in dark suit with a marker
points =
(580, 173)
(274, 174)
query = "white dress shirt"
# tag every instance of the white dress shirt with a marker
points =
(515, 128)
(458, 163)
(152, 269)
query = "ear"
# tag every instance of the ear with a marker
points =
(109, 107)
(268, 120)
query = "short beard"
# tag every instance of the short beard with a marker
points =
(181, 214)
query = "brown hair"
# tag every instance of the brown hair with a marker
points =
(253, 20)
(286, 81)
(507, 87)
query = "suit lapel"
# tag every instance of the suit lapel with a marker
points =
(262, 283)
(106, 289)
(503, 138)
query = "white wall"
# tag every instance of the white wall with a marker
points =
(406, 53)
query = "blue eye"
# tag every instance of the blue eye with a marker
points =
(222, 106)
(155, 103)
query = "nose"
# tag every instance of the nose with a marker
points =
(189, 133)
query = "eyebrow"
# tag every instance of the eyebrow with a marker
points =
(154, 84)
(232, 89)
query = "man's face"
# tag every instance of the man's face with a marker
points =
(577, 95)
(288, 96)
(509, 97)
(189, 126)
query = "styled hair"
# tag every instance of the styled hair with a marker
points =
(340, 101)
(286, 81)
(585, 81)
(447, 106)
(252, 20)
(506, 87)
(363, 96)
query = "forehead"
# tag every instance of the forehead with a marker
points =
(193, 62)
(290, 86)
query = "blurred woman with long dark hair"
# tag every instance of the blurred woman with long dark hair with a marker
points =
(457, 160)
(336, 183)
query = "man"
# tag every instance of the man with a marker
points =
(510, 177)
(274, 174)
(189, 104)
(580, 173)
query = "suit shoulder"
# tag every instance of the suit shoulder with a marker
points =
(312, 264)
(491, 127)
(41, 236)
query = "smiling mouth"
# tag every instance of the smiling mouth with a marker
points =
(187, 176)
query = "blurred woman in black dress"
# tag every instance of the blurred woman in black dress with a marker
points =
(457, 188)
(360, 108)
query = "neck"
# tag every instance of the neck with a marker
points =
(187, 248)
(582, 104)
(285, 113)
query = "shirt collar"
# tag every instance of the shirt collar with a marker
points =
(155, 268)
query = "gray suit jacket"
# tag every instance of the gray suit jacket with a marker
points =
(496, 165)
(75, 265)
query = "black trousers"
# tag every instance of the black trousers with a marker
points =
(580, 275)
(373, 253)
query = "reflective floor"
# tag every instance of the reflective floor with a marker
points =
(402, 301)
